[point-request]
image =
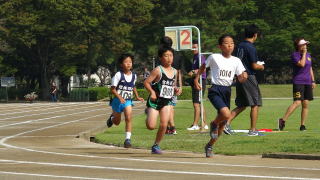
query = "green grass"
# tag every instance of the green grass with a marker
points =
(289, 141)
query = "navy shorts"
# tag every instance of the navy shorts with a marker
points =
(219, 96)
(302, 92)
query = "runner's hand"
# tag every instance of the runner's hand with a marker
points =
(197, 85)
(140, 99)
(153, 96)
(122, 100)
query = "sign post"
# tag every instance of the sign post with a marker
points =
(7, 82)
(182, 40)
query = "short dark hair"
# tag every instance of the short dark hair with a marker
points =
(250, 30)
(164, 49)
(296, 42)
(124, 56)
(221, 38)
(166, 41)
(195, 41)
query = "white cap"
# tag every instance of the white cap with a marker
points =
(302, 42)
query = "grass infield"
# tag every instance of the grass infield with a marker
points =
(291, 140)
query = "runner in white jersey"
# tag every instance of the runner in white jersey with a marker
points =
(223, 68)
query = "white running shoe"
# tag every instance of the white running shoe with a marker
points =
(193, 128)
(206, 127)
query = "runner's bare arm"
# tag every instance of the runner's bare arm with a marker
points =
(137, 95)
(115, 93)
(154, 76)
(199, 73)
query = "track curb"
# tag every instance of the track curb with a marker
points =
(89, 135)
(292, 156)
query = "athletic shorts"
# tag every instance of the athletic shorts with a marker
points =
(248, 93)
(174, 100)
(159, 103)
(118, 107)
(302, 92)
(219, 96)
(195, 92)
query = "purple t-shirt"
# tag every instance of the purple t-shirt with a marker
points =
(301, 75)
(195, 64)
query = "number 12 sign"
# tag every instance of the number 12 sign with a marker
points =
(181, 37)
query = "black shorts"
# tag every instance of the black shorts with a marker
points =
(302, 92)
(159, 103)
(248, 93)
(219, 96)
(195, 92)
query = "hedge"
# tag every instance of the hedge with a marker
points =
(186, 93)
(98, 93)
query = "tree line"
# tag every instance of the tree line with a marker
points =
(41, 39)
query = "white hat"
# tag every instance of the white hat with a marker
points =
(302, 42)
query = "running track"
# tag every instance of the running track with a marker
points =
(38, 141)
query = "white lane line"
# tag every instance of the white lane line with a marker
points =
(51, 176)
(53, 117)
(164, 171)
(18, 106)
(42, 108)
(3, 140)
(46, 113)
(157, 171)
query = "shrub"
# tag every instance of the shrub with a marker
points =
(79, 94)
(97, 93)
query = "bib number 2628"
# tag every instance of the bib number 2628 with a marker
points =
(125, 94)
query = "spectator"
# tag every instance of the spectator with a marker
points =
(53, 92)
(146, 73)
(303, 83)
(196, 93)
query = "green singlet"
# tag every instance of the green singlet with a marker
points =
(164, 89)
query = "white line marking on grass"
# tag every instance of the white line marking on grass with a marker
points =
(51, 176)
(157, 171)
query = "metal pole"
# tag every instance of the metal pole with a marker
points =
(7, 94)
(153, 62)
(200, 92)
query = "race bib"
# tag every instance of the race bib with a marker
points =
(125, 94)
(225, 74)
(167, 92)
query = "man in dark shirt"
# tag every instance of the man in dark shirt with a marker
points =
(248, 93)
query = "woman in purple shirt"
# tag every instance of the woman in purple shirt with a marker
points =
(303, 82)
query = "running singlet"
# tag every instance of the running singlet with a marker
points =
(124, 88)
(164, 88)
